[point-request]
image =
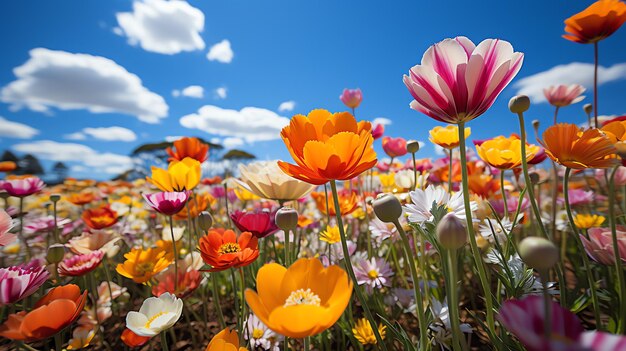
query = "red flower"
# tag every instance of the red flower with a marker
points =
(259, 223)
(100, 217)
(221, 249)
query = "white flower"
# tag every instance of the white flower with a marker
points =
(265, 179)
(434, 198)
(406, 179)
(440, 327)
(521, 277)
(259, 335)
(155, 315)
(381, 230)
(501, 229)
(166, 234)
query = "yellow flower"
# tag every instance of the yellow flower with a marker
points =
(330, 235)
(301, 301)
(141, 265)
(244, 194)
(387, 181)
(447, 137)
(586, 221)
(505, 153)
(179, 176)
(364, 334)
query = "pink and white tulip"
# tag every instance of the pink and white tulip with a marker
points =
(351, 97)
(564, 95)
(22, 187)
(167, 203)
(599, 246)
(18, 282)
(79, 265)
(6, 223)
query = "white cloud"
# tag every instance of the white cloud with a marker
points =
(192, 91)
(250, 123)
(80, 81)
(16, 130)
(71, 152)
(165, 27)
(172, 138)
(75, 136)
(221, 92)
(231, 143)
(287, 106)
(572, 73)
(118, 31)
(381, 120)
(111, 133)
(221, 52)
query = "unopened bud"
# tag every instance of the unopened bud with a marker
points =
(287, 218)
(536, 123)
(4, 195)
(538, 253)
(413, 146)
(534, 178)
(588, 108)
(205, 220)
(451, 232)
(55, 197)
(56, 253)
(519, 104)
(387, 208)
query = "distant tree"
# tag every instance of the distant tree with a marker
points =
(9, 156)
(60, 171)
(240, 155)
(29, 164)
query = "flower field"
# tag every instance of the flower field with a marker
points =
(515, 242)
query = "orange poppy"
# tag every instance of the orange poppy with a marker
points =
(80, 199)
(212, 181)
(226, 340)
(52, 313)
(7, 166)
(574, 148)
(221, 249)
(596, 22)
(99, 217)
(196, 205)
(615, 130)
(188, 147)
(348, 201)
(327, 147)
(133, 340)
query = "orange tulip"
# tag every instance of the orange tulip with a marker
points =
(188, 147)
(7, 166)
(52, 313)
(596, 22)
(100, 217)
(327, 147)
(574, 148)
(348, 202)
(221, 249)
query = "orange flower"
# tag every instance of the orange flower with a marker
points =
(348, 201)
(615, 130)
(80, 199)
(141, 265)
(100, 217)
(221, 249)
(196, 205)
(574, 148)
(596, 22)
(52, 313)
(188, 147)
(483, 185)
(327, 147)
(226, 340)
(133, 340)
(7, 166)
(505, 153)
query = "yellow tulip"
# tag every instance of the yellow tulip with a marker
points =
(447, 137)
(179, 175)
(505, 153)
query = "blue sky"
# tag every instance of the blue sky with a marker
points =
(305, 52)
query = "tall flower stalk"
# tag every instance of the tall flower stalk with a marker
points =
(619, 269)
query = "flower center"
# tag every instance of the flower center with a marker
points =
(153, 318)
(303, 297)
(229, 248)
(257, 333)
(144, 267)
(373, 274)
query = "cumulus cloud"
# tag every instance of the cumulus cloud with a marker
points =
(85, 156)
(221, 92)
(192, 91)
(164, 27)
(250, 123)
(287, 106)
(104, 133)
(16, 130)
(80, 81)
(572, 73)
(381, 120)
(231, 142)
(221, 52)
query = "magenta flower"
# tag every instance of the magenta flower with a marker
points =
(167, 203)
(79, 265)
(511, 204)
(378, 130)
(540, 156)
(578, 197)
(394, 147)
(18, 282)
(6, 223)
(22, 187)
(458, 81)
(564, 95)
(599, 246)
(259, 223)
(351, 97)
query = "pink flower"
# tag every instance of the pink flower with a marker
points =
(6, 223)
(394, 147)
(22, 187)
(564, 95)
(578, 197)
(374, 274)
(18, 282)
(620, 176)
(259, 223)
(79, 265)
(167, 203)
(458, 81)
(600, 245)
(540, 156)
(351, 97)
(378, 131)
(511, 203)
(45, 224)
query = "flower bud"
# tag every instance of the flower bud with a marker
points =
(534, 178)
(55, 197)
(538, 253)
(519, 104)
(387, 208)
(413, 146)
(205, 220)
(4, 195)
(56, 253)
(588, 108)
(287, 218)
(451, 232)
(536, 124)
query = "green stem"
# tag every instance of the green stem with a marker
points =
(175, 254)
(595, 83)
(307, 343)
(243, 302)
(216, 299)
(547, 306)
(414, 171)
(350, 269)
(236, 298)
(287, 256)
(164, 341)
(621, 324)
(29, 253)
(453, 302)
(480, 266)
(503, 192)
(581, 249)
(450, 171)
